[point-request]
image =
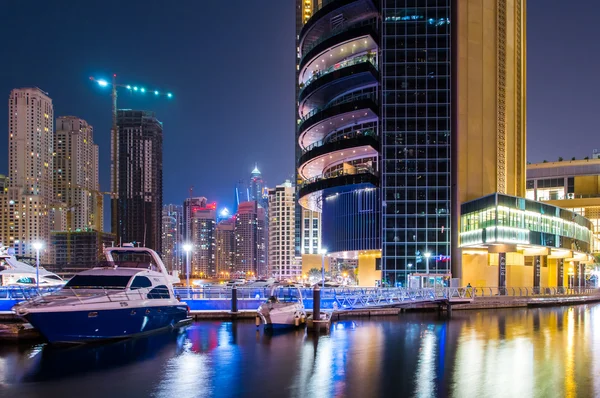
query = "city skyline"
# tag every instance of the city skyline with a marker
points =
(72, 93)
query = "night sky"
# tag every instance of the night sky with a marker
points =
(230, 66)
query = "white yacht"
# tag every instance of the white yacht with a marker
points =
(262, 283)
(275, 313)
(16, 273)
(133, 295)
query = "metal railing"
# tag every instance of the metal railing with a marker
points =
(339, 173)
(349, 98)
(346, 136)
(534, 291)
(341, 29)
(347, 298)
(339, 66)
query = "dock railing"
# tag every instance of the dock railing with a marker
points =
(217, 298)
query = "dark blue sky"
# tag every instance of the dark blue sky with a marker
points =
(230, 66)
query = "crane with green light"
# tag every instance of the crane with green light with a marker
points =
(113, 135)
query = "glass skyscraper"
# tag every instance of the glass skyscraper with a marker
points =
(416, 137)
(406, 110)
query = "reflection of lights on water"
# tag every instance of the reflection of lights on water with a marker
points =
(35, 350)
(426, 366)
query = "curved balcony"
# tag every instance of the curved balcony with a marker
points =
(337, 49)
(351, 110)
(320, 23)
(332, 82)
(363, 176)
(320, 157)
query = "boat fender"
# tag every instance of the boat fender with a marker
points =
(297, 321)
(257, 320)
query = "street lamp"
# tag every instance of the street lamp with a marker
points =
(427, 255)
(323, 253)
(187, 248)
(37, 246)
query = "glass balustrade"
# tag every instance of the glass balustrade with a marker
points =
(339, 173)
(339, 66)
(340, 137)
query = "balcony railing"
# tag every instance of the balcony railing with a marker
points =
(345, 136)
(341, 29)
(347, 98)
(339, 173)
(339, 66)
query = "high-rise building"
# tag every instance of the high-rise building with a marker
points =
(256, 186)
(188, 208)
(29, 194)
(281, 260)
(139, 174)
(250, 240)
(78, 249)
(379, 153)
(172, 226)
(203, 223)
(570, 184)
(225, 241)
(75, 180)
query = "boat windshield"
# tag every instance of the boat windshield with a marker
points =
(98, 282)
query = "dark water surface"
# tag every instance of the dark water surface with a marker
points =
(550, 352)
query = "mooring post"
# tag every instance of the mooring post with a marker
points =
(316, 303)
(234, 307)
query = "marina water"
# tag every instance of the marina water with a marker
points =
(545, 352)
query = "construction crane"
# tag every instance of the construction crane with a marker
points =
(113, 134)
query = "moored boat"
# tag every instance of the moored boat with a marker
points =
(281, 314)
(17, 273)
(130, 296)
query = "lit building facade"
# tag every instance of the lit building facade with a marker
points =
(188, 205)
(571, 184)
(172, 226)
(250, 256)
(139, 173)
(29, 194)
(203, 223)
(78, 249)
(226, 247)
(338, 144)
(404, 116)
(76, 182)
(281, 260)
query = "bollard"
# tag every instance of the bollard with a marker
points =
(234, 307)
(316, 303)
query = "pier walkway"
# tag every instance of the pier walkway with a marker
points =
(219, 299)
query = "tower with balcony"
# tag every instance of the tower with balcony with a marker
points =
(339, 128)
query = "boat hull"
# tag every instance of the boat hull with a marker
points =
(107, 324)
(281, 316)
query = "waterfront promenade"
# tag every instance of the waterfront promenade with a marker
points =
(218, 302)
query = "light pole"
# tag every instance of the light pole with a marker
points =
(188, 248)
(37, 246)
(427, 255)
(323, 253)
(113, 135)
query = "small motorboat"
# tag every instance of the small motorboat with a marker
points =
(281, 314)
(132, 295)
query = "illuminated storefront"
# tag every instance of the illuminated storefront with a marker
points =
(516, 242)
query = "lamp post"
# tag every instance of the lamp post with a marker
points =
(427, 255)
(37, 246)
(188, 248)
(323, 253)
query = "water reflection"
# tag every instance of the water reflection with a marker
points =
(534, 352)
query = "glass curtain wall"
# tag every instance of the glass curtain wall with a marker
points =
(416, 137)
